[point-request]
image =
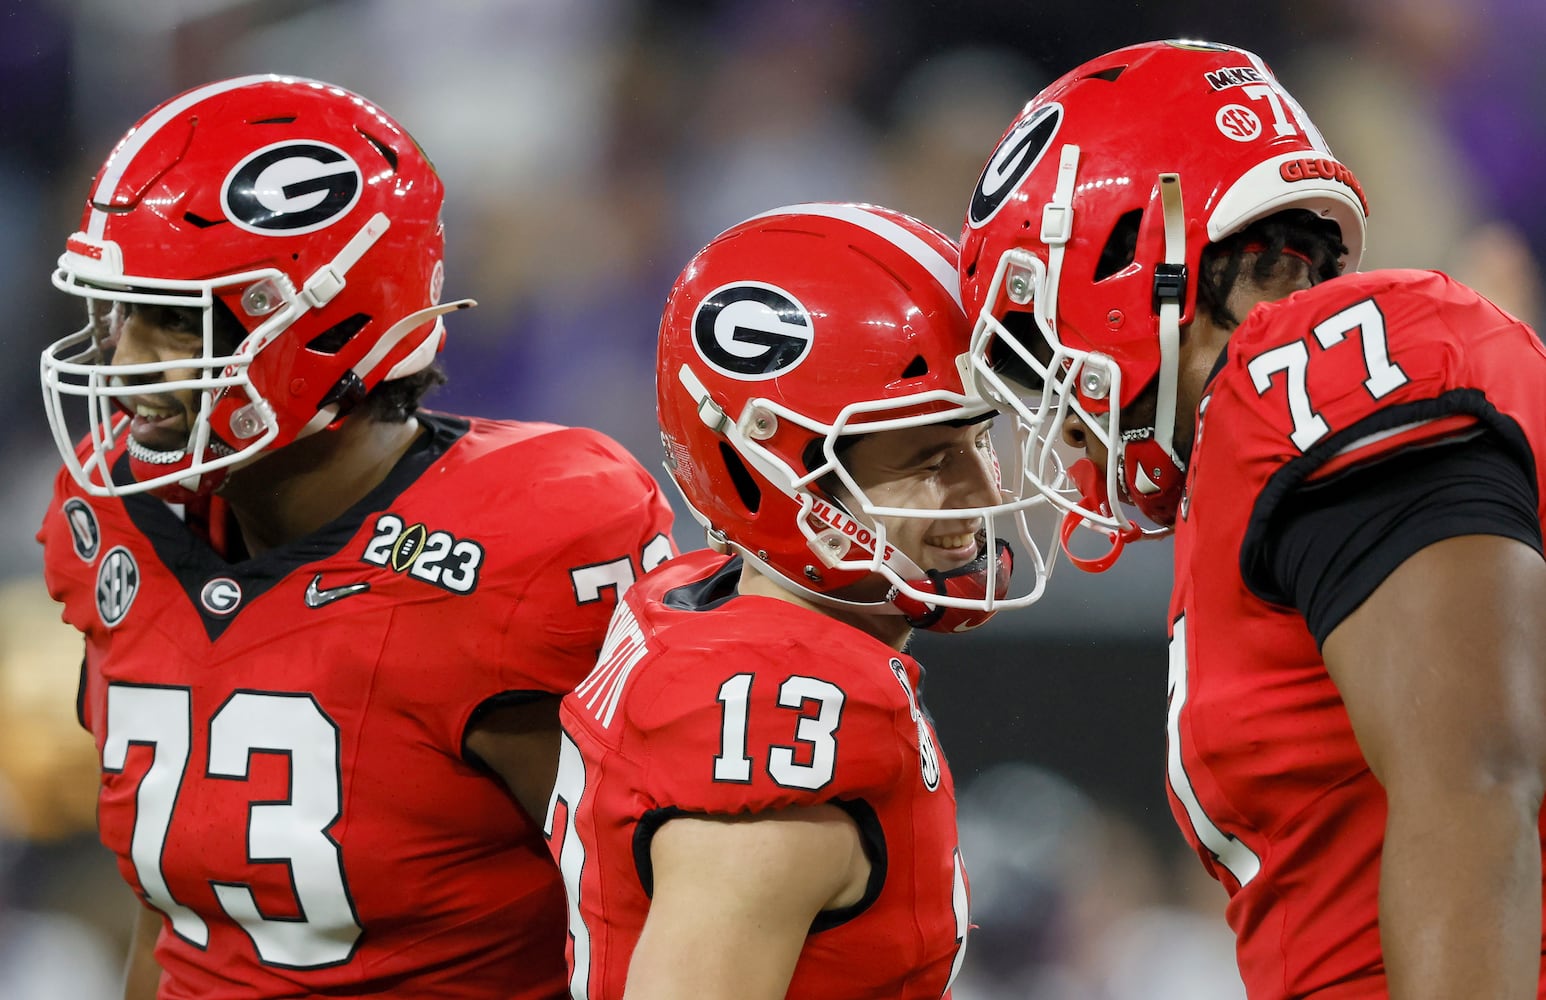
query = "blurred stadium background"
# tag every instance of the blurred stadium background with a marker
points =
(589, 147)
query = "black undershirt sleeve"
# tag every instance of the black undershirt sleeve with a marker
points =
(1332, 543)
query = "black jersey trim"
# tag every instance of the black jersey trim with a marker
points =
(1255, 569)
(1335, 544)
(871, 836)
(644, 835)
(80, 697)
(709, 593)
(194, 563)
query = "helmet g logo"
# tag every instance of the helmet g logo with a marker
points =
(291, 187)
(1016, 156)
(751, 330)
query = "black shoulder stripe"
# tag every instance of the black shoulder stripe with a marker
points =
(870, 834)
(1293, 474)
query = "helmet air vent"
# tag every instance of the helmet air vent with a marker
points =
(387, 152)
(1109, 75)
(199, 220)
(333, 339)
(1121, 246)
(277, 120)
(745, 486)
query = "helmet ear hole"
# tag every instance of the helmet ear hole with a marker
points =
(746, 487)
(916, 368)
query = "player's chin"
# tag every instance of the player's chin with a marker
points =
(167, 439)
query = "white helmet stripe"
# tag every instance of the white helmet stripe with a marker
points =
(932, 260)
(133, 143)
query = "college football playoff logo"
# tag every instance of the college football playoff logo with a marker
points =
(750, 330)
(291, 187)
(1015, 157)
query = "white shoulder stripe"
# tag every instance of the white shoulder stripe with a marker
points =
(137, 140)
(932, 260)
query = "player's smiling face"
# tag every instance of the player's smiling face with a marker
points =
(141, 334)
(923, 468)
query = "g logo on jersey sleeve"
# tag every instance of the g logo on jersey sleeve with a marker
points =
(85, 533)
(291, 188)
(751, 330)
(1015, 157)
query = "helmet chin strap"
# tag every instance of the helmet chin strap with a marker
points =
(1171, 296)
(1057, 225)
(1152, 471)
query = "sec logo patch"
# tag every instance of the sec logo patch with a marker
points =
(118, 582)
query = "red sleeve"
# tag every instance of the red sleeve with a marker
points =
(1360, 368)
(606, 523)
(1348, 374)
(69, 558)
(759, 727)
(71, 552)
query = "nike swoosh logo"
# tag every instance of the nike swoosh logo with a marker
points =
(316, 597)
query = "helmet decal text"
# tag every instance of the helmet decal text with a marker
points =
(1309, 168)
(1234, 76)
(291, 188)
(750, 330)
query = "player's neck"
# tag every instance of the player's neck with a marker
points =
(892, 630)
(1204, 339)
(307, 484)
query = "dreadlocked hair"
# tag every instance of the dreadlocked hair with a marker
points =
(395, 401)
(1298, 231)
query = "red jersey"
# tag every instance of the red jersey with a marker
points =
(283, 773)
(1266, 779)
(708, 702)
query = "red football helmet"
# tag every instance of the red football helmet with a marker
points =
(789, 332)
(312, 216)
(1176, 144)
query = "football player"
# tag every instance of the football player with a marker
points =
(325, 631)
(751, 800)
(1161, 259)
